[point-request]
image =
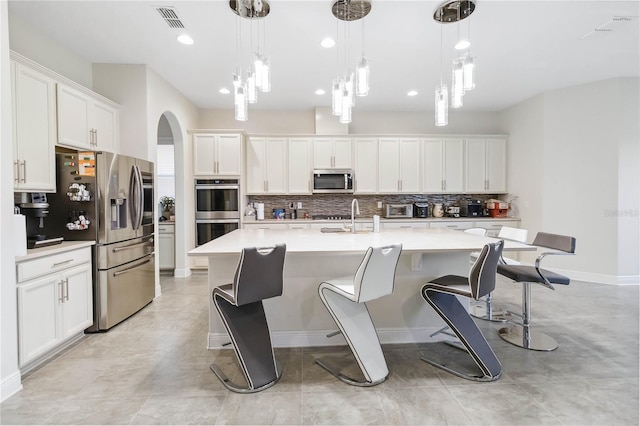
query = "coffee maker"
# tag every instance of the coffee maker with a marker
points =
(35, 208)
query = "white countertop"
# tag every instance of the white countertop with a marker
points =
(385, 220)
(314, 241)
(54, 249)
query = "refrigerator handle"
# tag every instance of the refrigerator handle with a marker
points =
(133, 197)
(140, 198)
(124, 271)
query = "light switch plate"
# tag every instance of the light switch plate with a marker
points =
(379, 204)
(299, 204)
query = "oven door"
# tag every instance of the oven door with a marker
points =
(207, 230)
(217, 202)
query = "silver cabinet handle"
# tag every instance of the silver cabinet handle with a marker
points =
(24, 171)
(267, 182)
(62, 263)
(95, 137)
(442, 185)
(16, 179)
(66, 284)
(61, 298)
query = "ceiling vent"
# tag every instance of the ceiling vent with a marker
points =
(610, 26)
(170, 16)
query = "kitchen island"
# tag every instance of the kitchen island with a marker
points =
(298, 318)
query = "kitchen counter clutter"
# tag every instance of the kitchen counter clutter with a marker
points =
(298, 317)
(55, 299)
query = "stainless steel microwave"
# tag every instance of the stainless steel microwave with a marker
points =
(337, 181)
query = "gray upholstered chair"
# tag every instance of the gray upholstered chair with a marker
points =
(442, 295)
(488, 311)
(259, 276)
(345, 299)
(520, 334)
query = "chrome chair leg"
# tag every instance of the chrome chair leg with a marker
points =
(489, 313)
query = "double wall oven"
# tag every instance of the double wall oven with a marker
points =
(217, 208)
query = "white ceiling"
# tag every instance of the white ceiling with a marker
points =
(522, 48)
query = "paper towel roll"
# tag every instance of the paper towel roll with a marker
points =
(260, 211)
(20, 234)
(376, 223)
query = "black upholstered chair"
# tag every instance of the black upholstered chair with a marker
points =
(442, 294)
(520, 334)
(259, 276)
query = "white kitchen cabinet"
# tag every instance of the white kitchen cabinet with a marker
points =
(86, 122)
(450, 224)
(485, 165)
(365, 165)
(34, 130)
(443, 165)
(263, 225)
(298, 225)
(217, 155)
(404, 225)
(266, 166)
(166, 246)
(493, 226)
(55, 301)
(300, 152)
(398, 165)
(332, 153)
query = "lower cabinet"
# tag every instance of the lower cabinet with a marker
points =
(53, 307)
(166, 243)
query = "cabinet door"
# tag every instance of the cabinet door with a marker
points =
(34, 130)
(496, 152)
(366, 166)
(433, 173)
(476, 166)
(77, 301)
(107, 127)
(276, 173)
(409, 171)
(342, 154)
(73, 118)
(228, 155)
(204, 155)
(388, 166)
(300, 166)
(166, 255)
(322, 153)
(256, 166)
(38, 316)
(453, 165)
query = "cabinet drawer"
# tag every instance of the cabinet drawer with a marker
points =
(54, 263)
(166, 229)
(496, 225)
(451, 225)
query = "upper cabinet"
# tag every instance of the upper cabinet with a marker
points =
(300, 165)
(34, 130)
(365, 164)
(443, 165)
(85, 122)
(398, 165)
(217, 154)
(332, 153)
(266, 166)
(485, 165)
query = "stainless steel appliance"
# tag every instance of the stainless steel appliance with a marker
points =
(108, 198)
(35, 208)
(333, 181)
(398, 211)
(217, 208)
(474, 209)
(420, 209)
(453, 211)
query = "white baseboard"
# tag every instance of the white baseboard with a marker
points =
(600, 278)
(294, 339)
(182, 273)
(10, 386)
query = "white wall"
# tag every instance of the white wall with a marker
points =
(287, 122)
(564, 157)
(27, 41)
(10, 382)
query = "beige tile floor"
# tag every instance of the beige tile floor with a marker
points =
(154, 369)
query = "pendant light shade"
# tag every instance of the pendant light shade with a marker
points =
(345, 113)
(241, 107)
(468, 69)
(265, 85)
(252, 90)
(349, 87)
(237, 82)
(442, 105)
(457, 84)
(336, 97)
(362, 77)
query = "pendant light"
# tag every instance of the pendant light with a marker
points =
(362, 72)
(442, 96)
(457, 84)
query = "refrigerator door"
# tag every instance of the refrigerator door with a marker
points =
(111, 255)
(145, 173)
(123, 291)
(115, 199)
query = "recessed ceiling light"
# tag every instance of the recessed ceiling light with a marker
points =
(462, 44)
(185, 39)
(320, 92)
(412, 93)
(224, 91)
(328, 43)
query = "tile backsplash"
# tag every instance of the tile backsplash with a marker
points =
(340, 204)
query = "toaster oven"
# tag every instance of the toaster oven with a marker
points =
(392, 211)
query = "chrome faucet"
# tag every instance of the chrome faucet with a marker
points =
(353, 217)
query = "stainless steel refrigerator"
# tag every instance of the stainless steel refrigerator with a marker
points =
(108, 198)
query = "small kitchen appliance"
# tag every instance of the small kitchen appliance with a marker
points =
(394, 211)
(35, 210)
(497, 208)
(420, 209)
(474, 208)
(333, 181)
(453, 211)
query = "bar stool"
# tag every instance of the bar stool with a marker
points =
(492, 313)
(520, 334)
(442, 295)
(259, 276)
(345, 299)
